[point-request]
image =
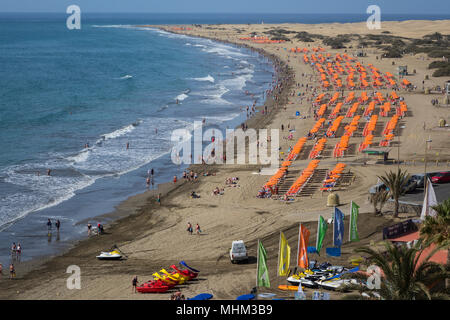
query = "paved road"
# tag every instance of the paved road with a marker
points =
(442, 193)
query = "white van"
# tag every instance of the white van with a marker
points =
(238, 251)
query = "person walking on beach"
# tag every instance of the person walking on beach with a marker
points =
(148, 182)
(57, 225)
(49, 225)
(197, 229)
(134, 282)
(18, 251)
(158, 199)
(99, 229)
(174, 179)
(13, 250)
(189, 228)
(12, 271)
(89, 226)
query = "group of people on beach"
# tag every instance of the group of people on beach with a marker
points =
(49, 225)
(100, 229)
(192, 176)
(190, 230)
(16, 251)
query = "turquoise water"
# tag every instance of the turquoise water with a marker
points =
(105, 85)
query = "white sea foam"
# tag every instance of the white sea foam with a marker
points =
(237, 83)
(126, 77)
(41, 191)
(228, 52)
(207, 78)
(80, 157)
(76, 172)
(119, 132)
(181, 97)
(215, 96)
(221, 118)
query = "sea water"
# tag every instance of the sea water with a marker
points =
(71, 101)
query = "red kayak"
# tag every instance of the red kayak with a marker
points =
(161, 283)
(185, 272)
(153, 287)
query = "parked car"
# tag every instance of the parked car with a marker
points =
(441, 177)
(377, 188)
(410, 186)
(419, 178)
(238, 252)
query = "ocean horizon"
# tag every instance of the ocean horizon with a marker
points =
(224, 18)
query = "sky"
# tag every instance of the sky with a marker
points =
(230, 6)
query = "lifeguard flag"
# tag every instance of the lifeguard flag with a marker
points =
(284, 256)
(303, 238)
(338, 227)
(321, 230)
(354, 210)
(262, 276)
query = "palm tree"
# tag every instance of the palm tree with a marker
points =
(436, 229)
(403, 277)
(396, 183)
(378, 199)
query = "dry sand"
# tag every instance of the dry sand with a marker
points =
(155, 236)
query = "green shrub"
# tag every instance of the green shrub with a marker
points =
(442, 72)
(438, 64)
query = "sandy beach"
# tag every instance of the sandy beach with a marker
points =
(154, 236)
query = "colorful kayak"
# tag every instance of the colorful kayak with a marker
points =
(184, 264)
(152, 287)
(175, 276)
(168, 278)
(185, 272)
(286, 287)
(164, 279)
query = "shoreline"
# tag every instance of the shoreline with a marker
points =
(133, 204)
(148, 220)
